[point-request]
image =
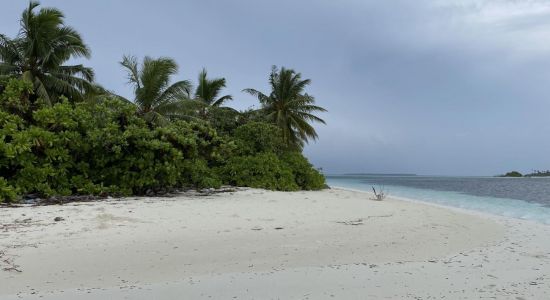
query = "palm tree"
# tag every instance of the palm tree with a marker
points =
(40, 50)
(289, 107)
(209, 89)
(157, 100)
(207, 93)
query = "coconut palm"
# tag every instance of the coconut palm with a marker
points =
(157, 100)
(209, 89)
(206, 94)
(289, 107)
(39, 53)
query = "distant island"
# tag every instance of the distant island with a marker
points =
(512, 174)
(535, 173)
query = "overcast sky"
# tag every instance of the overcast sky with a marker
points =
(428, 87)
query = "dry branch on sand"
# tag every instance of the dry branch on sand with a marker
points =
(380, 195)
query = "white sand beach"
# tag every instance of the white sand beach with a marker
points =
(256, 244)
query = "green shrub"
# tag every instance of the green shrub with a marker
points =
(8, 193)
(15, 96)
(305, 175)
(263, 163)
(139, 158)
(225, 120)
(105, 147)
(263, 170)
(258, 137)
(196, 173)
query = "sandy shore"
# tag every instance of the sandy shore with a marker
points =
(255, 244)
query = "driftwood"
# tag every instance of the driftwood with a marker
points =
(380, 195)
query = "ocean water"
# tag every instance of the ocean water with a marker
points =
(523, 198)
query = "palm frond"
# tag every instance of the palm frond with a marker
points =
(131, 65)
(7, 69)
(208, 90)
(77, 70)
(155, 77)
(9, 52)
(63, 86)
(78, 85)
(259, 95)
(41, 91)
(177, 91)
(222, 100)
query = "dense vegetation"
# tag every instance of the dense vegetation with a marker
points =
(63, 134)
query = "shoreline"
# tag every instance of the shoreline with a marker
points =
(473, 212)
(257, 244)
(527, 216)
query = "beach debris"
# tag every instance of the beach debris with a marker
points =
(352, 222)
(212, 191)
(10, 265)
(361, 221)
(33, 199)
(380, 195)
(256, 228)
(278, 228)
(27, 220)
(30, 199)
(58, 219)
(18, 224)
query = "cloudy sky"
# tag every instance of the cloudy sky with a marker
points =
(429, 87)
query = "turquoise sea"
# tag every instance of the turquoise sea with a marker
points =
(523, 198)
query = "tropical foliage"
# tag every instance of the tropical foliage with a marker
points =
(260, 161)
(63, 134)
(104, 148)
(208, 90)
(207, 99)
(289, 107)
(157, 100)
(39, 55)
